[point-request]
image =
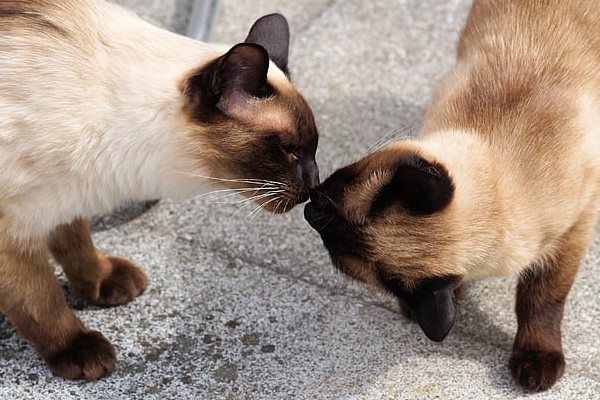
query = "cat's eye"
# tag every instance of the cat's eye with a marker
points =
(293, 153)
(288, 148)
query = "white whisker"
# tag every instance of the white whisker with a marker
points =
(254, 212)
(252, 191)
(260, 196)
(249, 181)
(401, 132)
(260, 207)
(245, 202)
(264, 195)
(224, 193)
(325, 225)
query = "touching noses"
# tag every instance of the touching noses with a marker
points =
(316, 210)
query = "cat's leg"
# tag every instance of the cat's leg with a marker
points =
(537, 359)
(32, 299)
(102, 280)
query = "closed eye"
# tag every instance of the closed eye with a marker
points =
(288, 148)
(293, 152)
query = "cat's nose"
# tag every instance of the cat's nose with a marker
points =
(310, 174)
(318, 198)
(313, 215)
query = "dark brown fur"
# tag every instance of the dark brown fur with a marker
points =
(33, 300)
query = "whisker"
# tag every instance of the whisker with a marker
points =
(402, 131)
(254, 212)
(275, 211)
(250, 200)
(230, 196)
(287, 203)
(264, 195)
(260, 207)
(324, 194)
(279, 204)
(229, 192)
(327, 223)
(244, 180)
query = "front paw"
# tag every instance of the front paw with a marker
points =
(125, 282)
(89, 357)
(536, 370)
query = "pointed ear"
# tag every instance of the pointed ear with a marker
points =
(434, 308)
(273, 33)
(243, 71)
(419, 186)
(227, 83)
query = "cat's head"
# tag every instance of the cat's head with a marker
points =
(252, 131)
(385, 221)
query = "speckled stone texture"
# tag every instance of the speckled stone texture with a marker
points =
(244, 308)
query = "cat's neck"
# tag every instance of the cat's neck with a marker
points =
(505, 209)
(499, 232)
(144, 106)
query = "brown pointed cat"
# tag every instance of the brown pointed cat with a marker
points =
(504, 178)
(97, 108)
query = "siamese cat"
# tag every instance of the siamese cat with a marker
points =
(98, 108)
(503, 178)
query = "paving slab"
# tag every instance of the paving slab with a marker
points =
(245, 306)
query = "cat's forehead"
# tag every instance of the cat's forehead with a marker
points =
(286, 111)
(370, 171)
(352, 187)
(268, 115)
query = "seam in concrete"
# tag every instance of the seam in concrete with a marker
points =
(202, 18)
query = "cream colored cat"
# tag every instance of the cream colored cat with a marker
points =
(504, 178)
(98, 108)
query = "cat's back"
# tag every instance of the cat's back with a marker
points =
(526, 86)
(533, 63)
(72, 37)
(534, 68)
(78, 76)
(74, 60)
(38, 24)
(52, 66)
(532, 28)
(80, 48)
(512, 48)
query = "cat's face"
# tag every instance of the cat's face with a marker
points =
(384, 221)
(254, 132)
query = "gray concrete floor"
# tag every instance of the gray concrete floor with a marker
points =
(242, 308)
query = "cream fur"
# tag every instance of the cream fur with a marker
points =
(92, 119)
(494, 210)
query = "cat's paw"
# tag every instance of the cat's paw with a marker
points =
(125, 282)
(537, 370)
(89, 357)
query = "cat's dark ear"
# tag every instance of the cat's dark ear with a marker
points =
(242, 73)
(419, 186)
(229, 82)
(273, 33)
(433, 306)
